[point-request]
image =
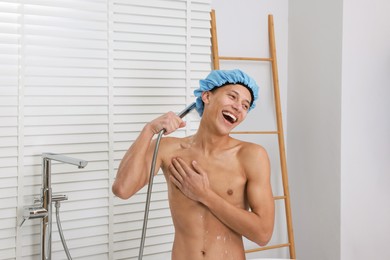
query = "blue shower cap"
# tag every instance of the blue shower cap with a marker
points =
(218, 78)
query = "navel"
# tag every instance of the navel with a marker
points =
(230, 192)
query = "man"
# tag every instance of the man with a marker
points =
(213, 179)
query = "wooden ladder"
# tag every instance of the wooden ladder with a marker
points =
(279, 131)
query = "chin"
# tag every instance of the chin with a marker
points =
(227, 129)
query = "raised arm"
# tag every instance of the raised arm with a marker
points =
(134, 169)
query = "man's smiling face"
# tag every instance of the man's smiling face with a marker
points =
(229, 105)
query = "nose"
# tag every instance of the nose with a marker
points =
(236, 106)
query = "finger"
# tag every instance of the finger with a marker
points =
(173, 122)
(186, 168)
(175, 173)
(178, 164)
(182, 124)
(198, 168)
(175, 181)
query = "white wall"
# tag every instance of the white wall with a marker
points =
(365, 171)
(339, 129)
(314, 119)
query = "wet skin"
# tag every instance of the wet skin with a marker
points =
(198, 233)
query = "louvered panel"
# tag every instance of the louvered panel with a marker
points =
(151, 56)
(157, 213)
(150, 100)
(157, 34)
(66, 111)
(139, 109)
(175, 9)
(74, 10)
(152, 74)
(135, 234)
(151, 65)
(157, 91)
(65, 62)
(67, 149)
(149, 82)
(60, 71)
(9, 106)
(200, 52)
(123, 18)
(64, 129)
(149, 78)
(58, 120)
(31, 242)
(96, 246)
(171, 4)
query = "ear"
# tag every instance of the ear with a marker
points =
(206, 97)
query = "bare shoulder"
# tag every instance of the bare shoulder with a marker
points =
(254, 159)
(169, 142)
(252, 151)
(169, 145)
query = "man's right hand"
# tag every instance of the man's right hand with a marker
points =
(169, 121)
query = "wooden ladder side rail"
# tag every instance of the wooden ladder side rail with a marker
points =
(282, 149)
(214, 41)
(216, 60)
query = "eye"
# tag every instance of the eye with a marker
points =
(232, 96)
(245, 107)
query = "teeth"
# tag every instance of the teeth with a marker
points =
(231, 116)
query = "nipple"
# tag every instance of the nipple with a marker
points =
(229, 192)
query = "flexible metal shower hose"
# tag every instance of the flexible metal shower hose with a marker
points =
(150, 185)
(60, 231)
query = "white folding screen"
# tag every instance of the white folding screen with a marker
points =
(9, 67)
(81, 78)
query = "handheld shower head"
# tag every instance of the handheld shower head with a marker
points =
(186, 110)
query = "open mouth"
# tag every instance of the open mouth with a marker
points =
(229, 117)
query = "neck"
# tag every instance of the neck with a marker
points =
(208, 140)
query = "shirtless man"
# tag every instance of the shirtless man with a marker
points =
(213, 179)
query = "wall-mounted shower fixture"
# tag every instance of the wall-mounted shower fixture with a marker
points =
(43, 205)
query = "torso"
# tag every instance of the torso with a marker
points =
(198, 233)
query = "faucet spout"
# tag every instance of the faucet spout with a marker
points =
(65, 159)
(47, 198)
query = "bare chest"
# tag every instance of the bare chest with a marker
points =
(225, 173)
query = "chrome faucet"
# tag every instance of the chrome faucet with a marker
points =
(44, 209)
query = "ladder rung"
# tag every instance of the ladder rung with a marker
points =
(244, 58)
(266, 248)
(254, 132)
(280, 197)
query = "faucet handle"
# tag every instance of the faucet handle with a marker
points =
(33, 212)
(57, 197)
(24, 220)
